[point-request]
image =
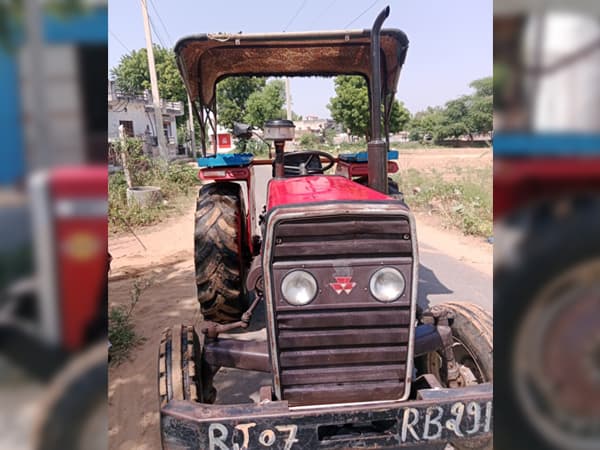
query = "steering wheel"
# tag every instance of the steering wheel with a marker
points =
(303, 168)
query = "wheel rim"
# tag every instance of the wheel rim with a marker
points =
(556, 359)
(468, 365)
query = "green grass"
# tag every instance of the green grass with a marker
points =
(121, 331)
(462, 199)
(176, 182)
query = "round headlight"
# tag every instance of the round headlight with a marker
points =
(299, 288)
(387, 284)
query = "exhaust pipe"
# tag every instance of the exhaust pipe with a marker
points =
(376, 148)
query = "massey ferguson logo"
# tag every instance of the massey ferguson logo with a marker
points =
(342, 284)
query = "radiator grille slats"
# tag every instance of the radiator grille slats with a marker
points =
(342, 238)
(342, 355)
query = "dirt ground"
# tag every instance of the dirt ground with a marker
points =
(167, 263)
(445, 160)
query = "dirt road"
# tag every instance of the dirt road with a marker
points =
(167, 262)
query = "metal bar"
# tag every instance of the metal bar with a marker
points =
(250, 355)
(245, 355)
(376, 148)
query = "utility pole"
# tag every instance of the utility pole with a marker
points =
(158, 128)
(191, 126)
(37, 158)
(288, 98)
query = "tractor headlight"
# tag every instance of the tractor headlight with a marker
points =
(299, 288)
(387, 284)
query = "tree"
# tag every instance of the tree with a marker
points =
(399, 117)
(350, 107)
(464, 116)
(232, 96)
(426, 123)
(482, 105)
(133, 77)
(266, 104)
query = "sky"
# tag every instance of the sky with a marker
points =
(450, 40)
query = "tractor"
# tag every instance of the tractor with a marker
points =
(330, 260)
(546, 222)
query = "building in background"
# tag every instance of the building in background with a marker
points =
(136, 114)
(55, 77)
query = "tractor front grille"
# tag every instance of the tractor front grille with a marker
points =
(343, 356)
(342, 347)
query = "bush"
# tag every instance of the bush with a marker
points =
(309, 141)
(175, 181)
(121, 332)
(464, 202)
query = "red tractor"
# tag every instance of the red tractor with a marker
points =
(53, 324)
(354, 362)
(547, 217)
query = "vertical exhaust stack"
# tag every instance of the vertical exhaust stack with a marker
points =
(376, 147)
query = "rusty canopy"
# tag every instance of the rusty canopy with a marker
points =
(205, 59)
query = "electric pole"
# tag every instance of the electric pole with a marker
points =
(158, 126)
(191, 126)
(288, 98)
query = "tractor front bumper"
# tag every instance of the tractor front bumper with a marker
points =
(437, 417)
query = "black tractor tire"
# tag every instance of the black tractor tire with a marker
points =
(180, 368)
(556, 239)
(472, 330)
(393, 189)
(75, 411)
(219, 252)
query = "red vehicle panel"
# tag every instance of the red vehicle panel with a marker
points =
(79, 196)
(518, 181)
(318, 188)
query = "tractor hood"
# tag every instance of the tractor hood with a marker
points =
(205, 59)
(318, 189)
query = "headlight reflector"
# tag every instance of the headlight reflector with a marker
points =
(299, 288)
(387, 284)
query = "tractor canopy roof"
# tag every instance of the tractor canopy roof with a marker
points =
(205, 59)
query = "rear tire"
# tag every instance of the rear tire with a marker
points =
(218, 252)
(393, 189)
(550, 270)
(75, 411)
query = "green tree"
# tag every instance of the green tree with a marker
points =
(232, 96)
(426, 123)
(399, 117)
(464, 116)
(482, 105)
(133, 77)
(350, 107)
(266, 104)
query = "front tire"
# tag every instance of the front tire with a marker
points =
(472, 332)
(218, 252)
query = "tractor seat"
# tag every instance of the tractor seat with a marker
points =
(295, 160)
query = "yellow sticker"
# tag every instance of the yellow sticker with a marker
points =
(81, 246)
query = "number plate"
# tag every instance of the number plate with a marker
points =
(396, 428)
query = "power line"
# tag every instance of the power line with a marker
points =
(161, 21)
(295, 15)
(119, 41)
(156, 32)
(361, 14)
(323, 11)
